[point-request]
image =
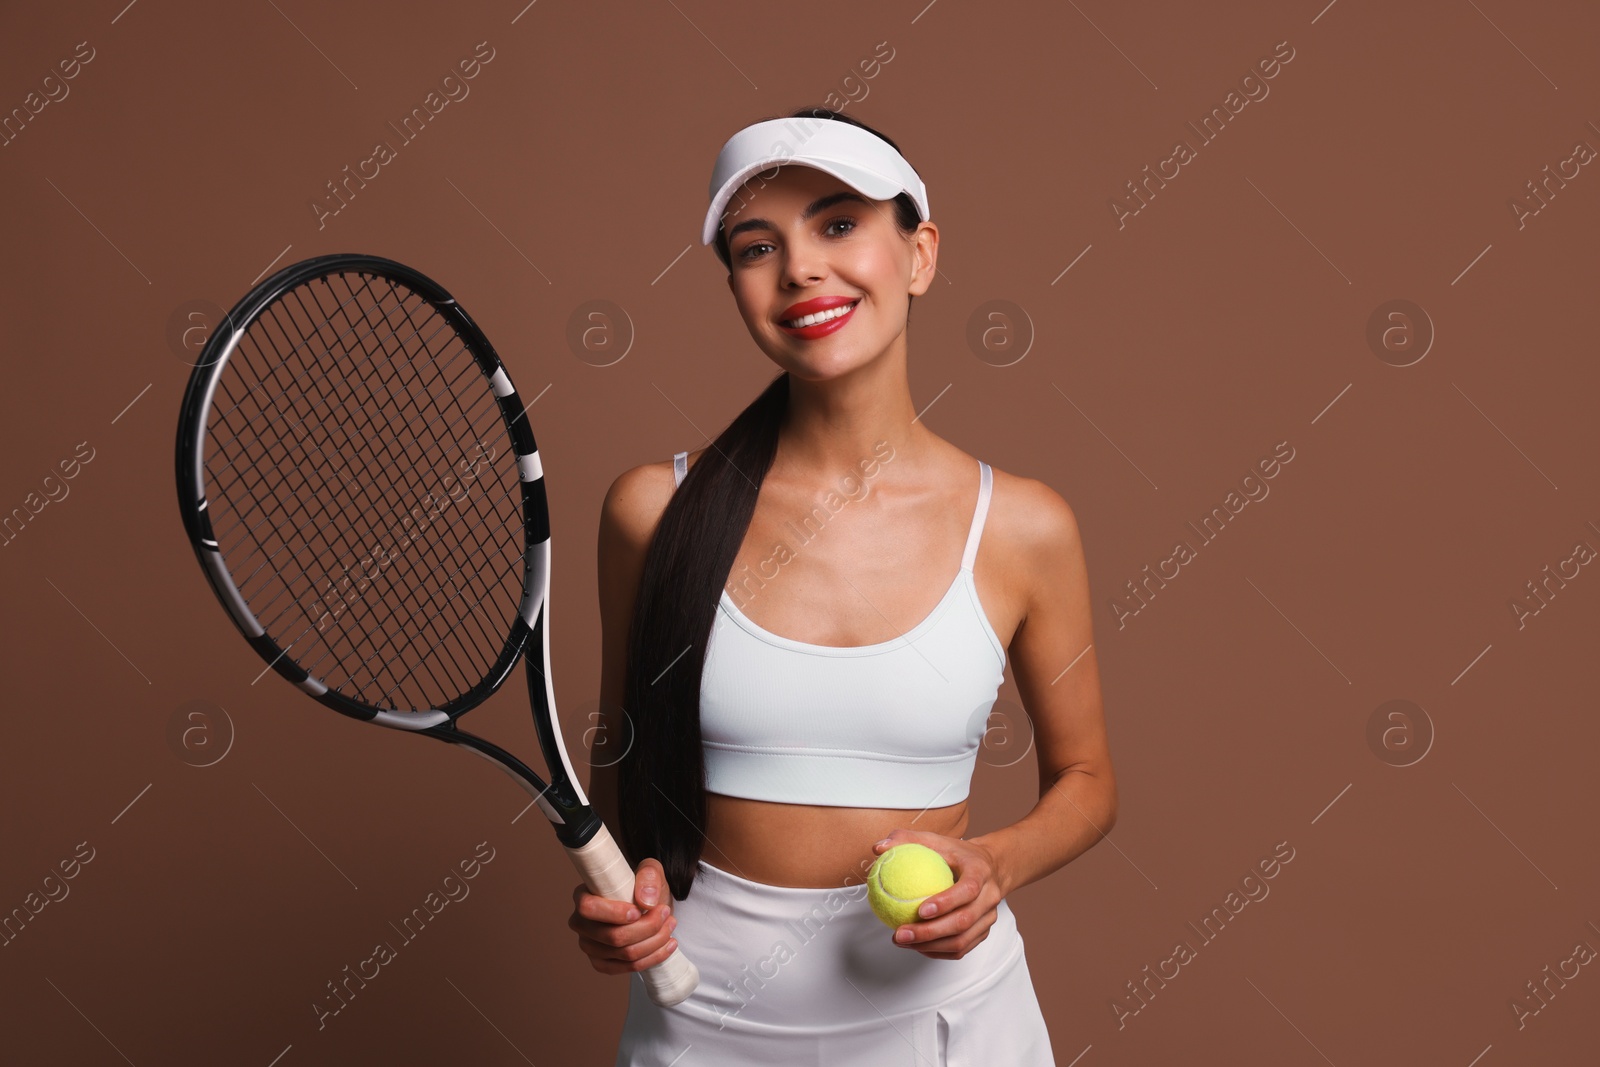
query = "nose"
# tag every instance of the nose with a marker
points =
(803, 263)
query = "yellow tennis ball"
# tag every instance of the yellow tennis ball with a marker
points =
(902, 878)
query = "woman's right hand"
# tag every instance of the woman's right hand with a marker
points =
(617, 944)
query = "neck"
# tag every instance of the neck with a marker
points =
(833, 426)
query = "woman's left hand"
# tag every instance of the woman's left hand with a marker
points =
(962, 914)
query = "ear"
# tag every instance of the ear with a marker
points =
(924, 258)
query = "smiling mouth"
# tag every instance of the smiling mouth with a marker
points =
(820, 317)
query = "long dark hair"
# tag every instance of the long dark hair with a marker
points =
(661, 780)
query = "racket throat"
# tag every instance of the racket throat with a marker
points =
(575, 823)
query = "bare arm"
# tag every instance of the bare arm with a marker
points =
(628, 519)
(614, 942)
(1053, 661)
(1052, 658)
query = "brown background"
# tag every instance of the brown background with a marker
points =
(1232, 313)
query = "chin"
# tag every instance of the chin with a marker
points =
(824, 367)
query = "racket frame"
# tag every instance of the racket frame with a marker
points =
(561, 800)
(588, 843)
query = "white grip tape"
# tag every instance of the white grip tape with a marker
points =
(605, 870)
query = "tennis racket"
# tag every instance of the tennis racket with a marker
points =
(362, 488)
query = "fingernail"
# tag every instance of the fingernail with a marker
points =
(902, 935)
(649, 894)
(633, 913)
(666, 910)
(885, 841)
(927, 909)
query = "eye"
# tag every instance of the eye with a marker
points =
(846, 219)
(752, 246)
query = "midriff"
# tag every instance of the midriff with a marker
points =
(810, 845)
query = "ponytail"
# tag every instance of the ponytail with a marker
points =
(660, 782)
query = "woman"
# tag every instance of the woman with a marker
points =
(796, 759)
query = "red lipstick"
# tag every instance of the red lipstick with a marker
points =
(813, 307)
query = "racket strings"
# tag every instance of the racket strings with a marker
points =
(480, 554)
(391, 432)
(309, 375)
(439, 394)
(363, 484)
(295, 499)
(310, 372)
(298, 496)
(332, 464)
(484, 634)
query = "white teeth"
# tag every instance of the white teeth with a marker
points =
(821, 316)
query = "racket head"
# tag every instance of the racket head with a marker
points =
(363, 491)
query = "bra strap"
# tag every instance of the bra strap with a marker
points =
(985, 485)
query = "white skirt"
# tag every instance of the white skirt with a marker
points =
(810, 976)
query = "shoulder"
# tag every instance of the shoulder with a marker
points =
(637, 497)
(635, 501)
(1033, 524)
(1033, 510)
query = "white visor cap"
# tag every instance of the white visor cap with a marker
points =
(861, 160)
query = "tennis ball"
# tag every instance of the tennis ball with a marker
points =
(902, 878)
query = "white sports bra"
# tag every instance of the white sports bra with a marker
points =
(895, 724)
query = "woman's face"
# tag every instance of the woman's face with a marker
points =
(802, 235)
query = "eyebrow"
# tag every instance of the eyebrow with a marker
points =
(816, 207)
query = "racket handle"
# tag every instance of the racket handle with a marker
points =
(605, 870)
